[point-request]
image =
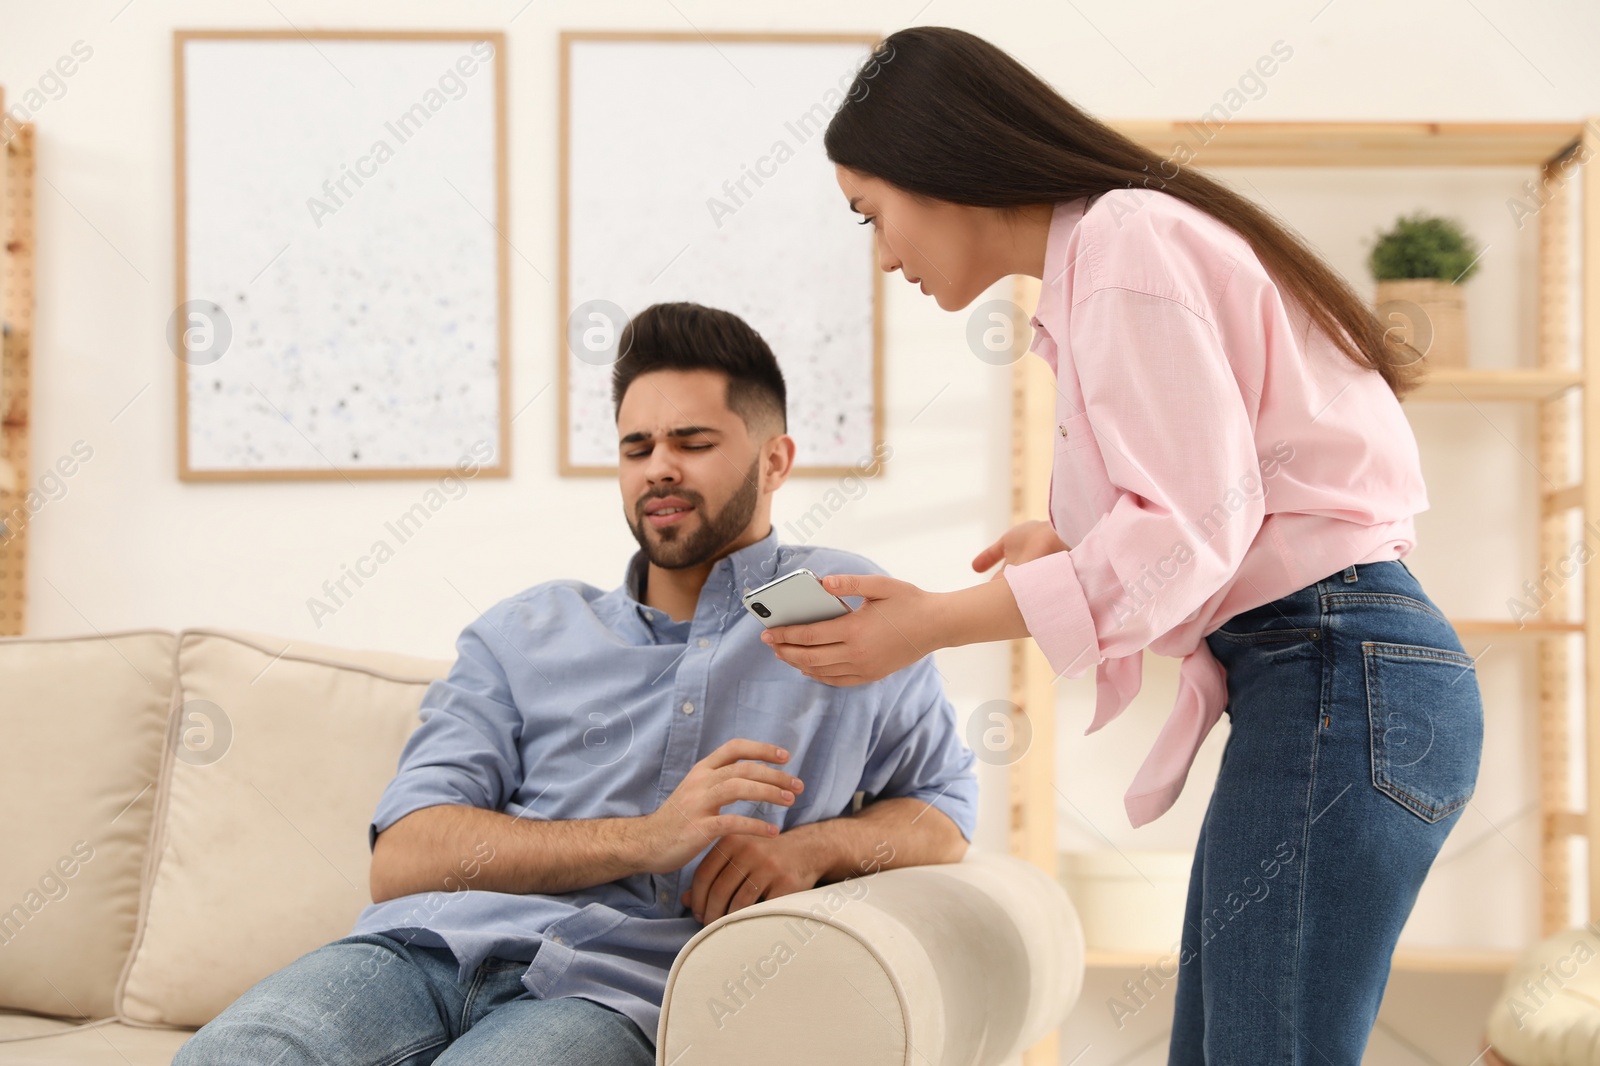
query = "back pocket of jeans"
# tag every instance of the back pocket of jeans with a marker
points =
(1426, 717)
(1268, 636)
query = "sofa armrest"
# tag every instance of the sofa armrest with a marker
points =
(969, 962)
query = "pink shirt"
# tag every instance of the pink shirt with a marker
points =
(1212, 454)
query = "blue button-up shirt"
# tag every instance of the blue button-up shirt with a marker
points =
(567, 702)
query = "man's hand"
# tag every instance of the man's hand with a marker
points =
(898, 831)
(421, 850)
(742, 870)
(692, 816)
(1022, 543)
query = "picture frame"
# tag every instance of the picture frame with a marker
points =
(362, 348)
(713, 111)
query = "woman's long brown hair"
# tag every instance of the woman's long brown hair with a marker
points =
(941, 113)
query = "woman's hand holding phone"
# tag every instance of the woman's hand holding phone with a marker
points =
(889, 631)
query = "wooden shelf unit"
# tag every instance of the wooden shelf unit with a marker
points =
(16, 356)
(1408, 960)
(1359, 144)
(1548, 146)
(1448, 384)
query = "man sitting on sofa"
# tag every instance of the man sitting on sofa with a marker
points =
(602, 773)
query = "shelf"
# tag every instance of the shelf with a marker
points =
(1488, 961)
(1355, 144)
(1450, 384)
(1467, 628)
(1563, 499)
(1454, 960)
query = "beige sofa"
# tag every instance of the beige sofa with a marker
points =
(189, 813)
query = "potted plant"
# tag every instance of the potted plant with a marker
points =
(1419, 266)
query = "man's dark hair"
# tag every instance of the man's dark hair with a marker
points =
(690, 336)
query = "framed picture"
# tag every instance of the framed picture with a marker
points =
(341, 299)
(692, 168)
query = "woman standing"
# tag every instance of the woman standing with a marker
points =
(1236, 481)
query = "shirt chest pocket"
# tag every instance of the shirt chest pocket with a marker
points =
(1073, 432)
(1078, 484)
(806, 718)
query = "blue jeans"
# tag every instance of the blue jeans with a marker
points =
(370, 1000)
(1356, 729)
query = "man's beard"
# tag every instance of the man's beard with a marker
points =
(716, 531)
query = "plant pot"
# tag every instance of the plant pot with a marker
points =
(1428, 314)
(1129, 901)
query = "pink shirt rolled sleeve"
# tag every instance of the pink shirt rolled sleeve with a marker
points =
(1213, 452)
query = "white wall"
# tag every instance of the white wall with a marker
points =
(129, 546)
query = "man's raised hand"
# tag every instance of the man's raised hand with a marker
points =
(692, 817)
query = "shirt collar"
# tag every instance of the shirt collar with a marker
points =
(731, 576)
(1064, 219)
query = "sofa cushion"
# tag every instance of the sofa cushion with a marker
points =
(94, 1044)
(84, 720)
(282, 750)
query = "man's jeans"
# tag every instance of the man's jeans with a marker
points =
(369, 1000)
(1356, 730)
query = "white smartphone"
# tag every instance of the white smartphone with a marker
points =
(796, 598)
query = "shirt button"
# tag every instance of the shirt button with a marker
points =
(703, 642)
(1062, 426)
(557, 940)
(688, 707)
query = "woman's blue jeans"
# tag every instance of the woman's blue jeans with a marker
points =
(369, 1000)
(1356, 730)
